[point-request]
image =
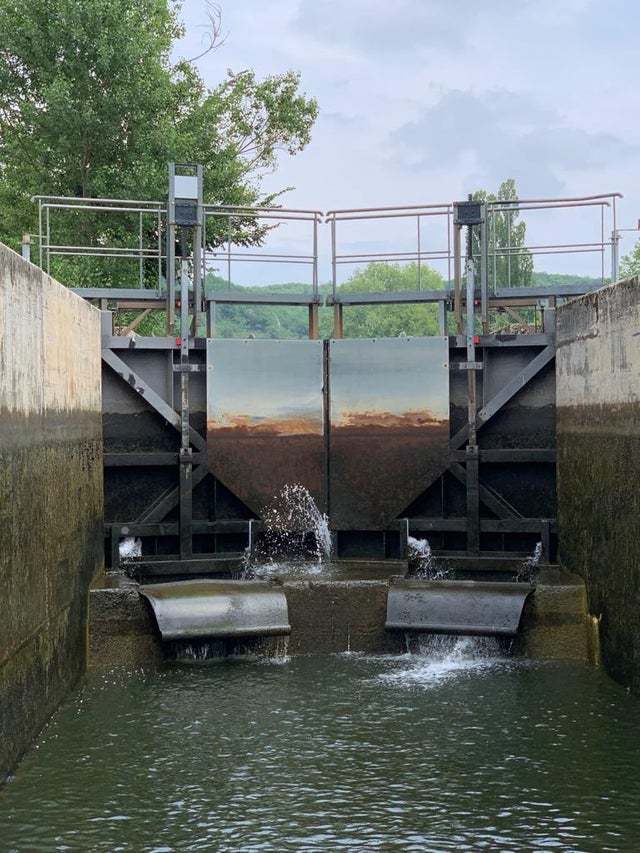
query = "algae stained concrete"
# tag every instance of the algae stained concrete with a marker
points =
(51, 536)
(598, 431)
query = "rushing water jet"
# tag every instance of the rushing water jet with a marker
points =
(530, 566)
(422, 562)
(293, 531)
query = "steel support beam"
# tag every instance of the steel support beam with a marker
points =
(138, 384)
(492, 500)
(170, 499)
(133, 459)
(506, 393)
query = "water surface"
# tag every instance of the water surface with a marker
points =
(446, 752)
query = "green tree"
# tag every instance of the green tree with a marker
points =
(630, 264)
(391, 320)
(91, 105)
(506, 231)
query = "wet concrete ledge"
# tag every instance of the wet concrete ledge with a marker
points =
(332, 616)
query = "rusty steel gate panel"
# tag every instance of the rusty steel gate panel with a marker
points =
(389, 426)
(265, 417)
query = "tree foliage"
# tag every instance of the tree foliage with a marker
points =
(368, 321)
(506, 230)
(91, 105)
(630, 263)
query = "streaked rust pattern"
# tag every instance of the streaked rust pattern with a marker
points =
(265, 421)
(389, 426)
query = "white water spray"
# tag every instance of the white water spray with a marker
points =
(129, 548)
(530, 565)
(294, 531)
(421, 557)
(440, 657)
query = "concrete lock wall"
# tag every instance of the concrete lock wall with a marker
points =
(598, 429)
(51, 513)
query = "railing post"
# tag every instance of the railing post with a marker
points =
(314, 324)
(338, 329)
(615, 243)
(457, 279)
(26, 247)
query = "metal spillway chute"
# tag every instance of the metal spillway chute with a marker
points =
(456, 607)
(217, 608)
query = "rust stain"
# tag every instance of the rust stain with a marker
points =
(255, 466)
(376, 472)
(419, 419)
(244, 425)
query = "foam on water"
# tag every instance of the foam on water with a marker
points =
(440, 657)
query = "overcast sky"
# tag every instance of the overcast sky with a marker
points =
(425, 100)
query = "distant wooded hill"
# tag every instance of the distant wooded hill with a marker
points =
(238, 321)
(270, 321)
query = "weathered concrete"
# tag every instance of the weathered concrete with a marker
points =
(51, 538)
(332, 616)
(598, 424)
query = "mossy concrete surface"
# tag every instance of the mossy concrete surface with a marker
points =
(51, 536)
(598, 425)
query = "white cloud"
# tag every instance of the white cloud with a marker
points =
(507, 135)
(424, 100)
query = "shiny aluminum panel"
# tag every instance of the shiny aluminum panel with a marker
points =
(265, 417)
(217, 608)
(456, 607)
(389, 416)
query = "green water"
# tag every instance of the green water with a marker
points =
(335, 753)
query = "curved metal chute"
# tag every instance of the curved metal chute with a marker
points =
(217, 608)
(456, 607)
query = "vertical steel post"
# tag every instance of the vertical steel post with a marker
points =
(334, 272)
(26, 247)
(159, 226)
(315, 256)
(457, 279)
(484, 270)
(508, 220)
(211, 319)
(472, 457)
(48, 239)
(171, 251)
(314, 325)
(229, 252)
(186, 458)
(419, 247)
(40, 232)
(449, 244)
(185, 211)
(615, 242)
(197, 258)
(442, 317)
(140, 262)
(403, 524)
(338, 328)
(602, 244)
